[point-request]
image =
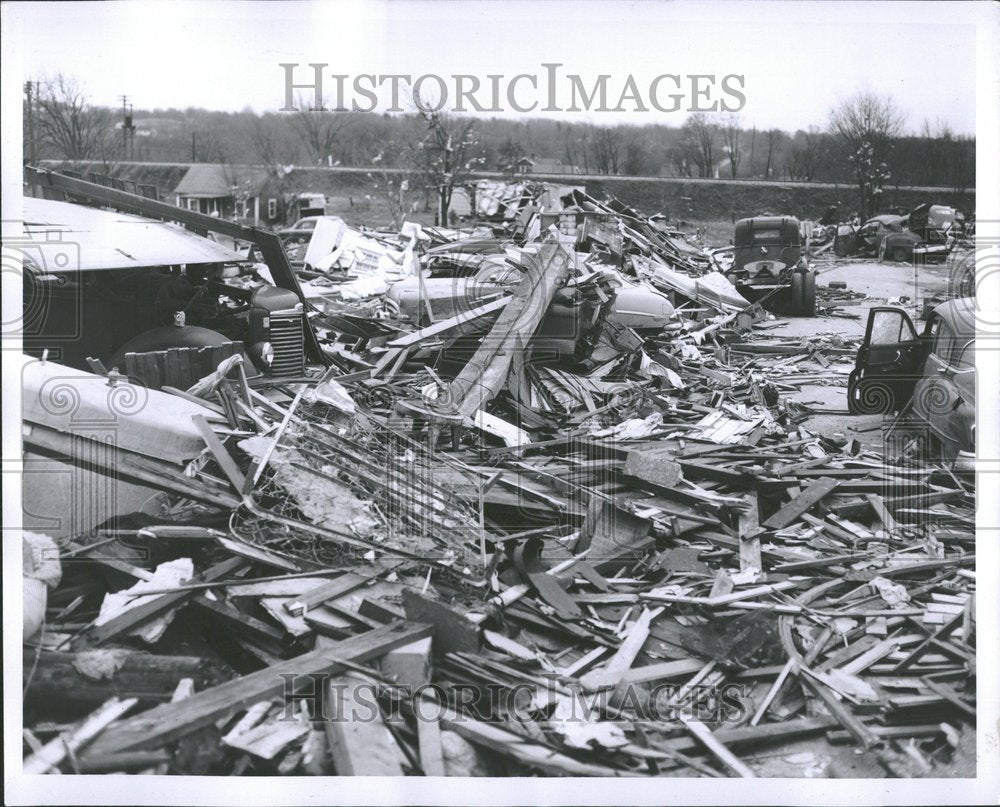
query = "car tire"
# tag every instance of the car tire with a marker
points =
(900, 254)
(807, 302)
(795, 294)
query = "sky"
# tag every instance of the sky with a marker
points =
(796, 59)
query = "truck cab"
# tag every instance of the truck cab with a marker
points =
(768, 265)
(158, 302)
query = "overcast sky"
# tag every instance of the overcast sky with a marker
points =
(797, 59)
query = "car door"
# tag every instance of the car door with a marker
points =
(888, 363)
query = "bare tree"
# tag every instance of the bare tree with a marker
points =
(263, 140)
(207, 147)
(319, 130)
(392, 184)
(771, 137)
(66, 121)
(813, 153)
(446, 155)
(698, 136)
(606, 147)
(731, 138)
(510, 154)
(635, 157)
(866, 125)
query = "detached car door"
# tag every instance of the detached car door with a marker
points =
(888, 365)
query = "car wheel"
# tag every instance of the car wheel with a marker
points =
(900, 254)
(807, 302)
(795, 294)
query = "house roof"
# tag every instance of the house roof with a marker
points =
(80, 239)
(214, 180)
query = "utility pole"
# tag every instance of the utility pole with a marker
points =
(124, 129)
(128, 130)
(30, 88)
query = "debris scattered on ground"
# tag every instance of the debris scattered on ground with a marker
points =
(520, 537)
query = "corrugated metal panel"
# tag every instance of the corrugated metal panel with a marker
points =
(64, 237)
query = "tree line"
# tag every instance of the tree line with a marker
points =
(863, 142)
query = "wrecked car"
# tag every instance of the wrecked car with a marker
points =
(929, 378)
(767, 257)
(922, 234)
(635, 305)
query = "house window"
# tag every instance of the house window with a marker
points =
(272, 208)
(192, 204)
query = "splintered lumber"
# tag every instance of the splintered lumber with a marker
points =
(446, 325)
(344, 584)
(749, 535)
(58, 683)
(153, 605)
(515, 745)
(604, 678)
(219, 453)
(56, 750)
(429, 740)
(360, 744)
(712, 743)
(657, 468)
(409, 665)
(621, 661)
(797, 506)
(167, 722)
(486, 372)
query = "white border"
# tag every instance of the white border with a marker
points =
(19, 789)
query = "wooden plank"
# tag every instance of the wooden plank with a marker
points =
(409, 665)
(749, 526)
(622, 660)
(155, 606)
(445, 325)
(172, 369)
(57, 749)
(359, 741)
(167, 722)
(219, 453)
(797, 506)
(705, 735)
(339, 586)
(601, 679)
(429, 741)
(882, 512)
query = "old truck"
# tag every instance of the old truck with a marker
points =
(132, 289)
(768, 265)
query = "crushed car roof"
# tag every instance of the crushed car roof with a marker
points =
(64, 237)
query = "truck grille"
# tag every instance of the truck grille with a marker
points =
(288, 341)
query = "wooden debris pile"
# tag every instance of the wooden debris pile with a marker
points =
(644, 565)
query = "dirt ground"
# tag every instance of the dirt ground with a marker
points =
(881, 282)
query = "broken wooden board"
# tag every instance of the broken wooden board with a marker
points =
(360, 744)
(797, 506)
(167, 722)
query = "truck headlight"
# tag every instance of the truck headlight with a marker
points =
(262, 353)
